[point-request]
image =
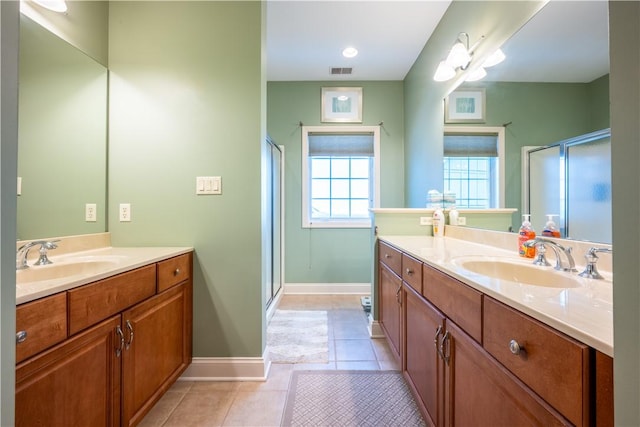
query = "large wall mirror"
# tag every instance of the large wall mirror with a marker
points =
(553, 86)
(62, 137)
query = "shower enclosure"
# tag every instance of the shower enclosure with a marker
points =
(275, 160)
(570, 179)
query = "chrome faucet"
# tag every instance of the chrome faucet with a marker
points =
(558, 249)
(591, 271)
(23, 252)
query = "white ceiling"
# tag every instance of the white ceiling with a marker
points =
(567, 41)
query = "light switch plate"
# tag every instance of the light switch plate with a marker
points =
(426, 220)
(462, 220)
(208, 185)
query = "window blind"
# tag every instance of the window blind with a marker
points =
(323, 144)
(470, 146)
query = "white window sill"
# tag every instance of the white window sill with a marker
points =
(366, 223)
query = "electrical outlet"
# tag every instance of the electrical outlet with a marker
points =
(426, 220)
(125, 212)
(462, 220)
(90, 214)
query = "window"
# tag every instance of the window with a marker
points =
(473, 167)
(339, 175)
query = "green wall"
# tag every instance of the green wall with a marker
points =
(186, 85)
(333, 255)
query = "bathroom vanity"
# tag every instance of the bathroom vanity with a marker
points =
(482, 350)
(99, 348)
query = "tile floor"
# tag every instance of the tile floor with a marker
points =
(261, 404)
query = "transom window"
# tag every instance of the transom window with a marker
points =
(339, 175)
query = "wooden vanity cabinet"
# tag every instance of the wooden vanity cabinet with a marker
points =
(457, 360)
(423, 369)
(76, 383)
(390, 288)
(113, 371)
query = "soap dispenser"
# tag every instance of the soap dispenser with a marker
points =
(526, 233)
(550, 229)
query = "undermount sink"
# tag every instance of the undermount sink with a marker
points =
(66, 269)
(519, 272)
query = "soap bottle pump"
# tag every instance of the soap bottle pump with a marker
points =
(526, 232)
(550, 229)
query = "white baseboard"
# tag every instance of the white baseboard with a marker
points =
(375, 330)
(228, 369)
(328, 288)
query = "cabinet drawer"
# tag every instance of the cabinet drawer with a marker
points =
(456, 300)
(91, 303)
(412, 272)
(391, 257)
(173, 271)
(552, 364)
(44, 322)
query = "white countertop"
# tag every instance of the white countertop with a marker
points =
(120, 261)
(584, 313)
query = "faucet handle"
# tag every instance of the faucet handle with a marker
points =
(591, 270)
(44, 247)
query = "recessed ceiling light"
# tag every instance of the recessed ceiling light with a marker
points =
(349, 52)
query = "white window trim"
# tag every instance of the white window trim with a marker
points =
(306, 191)
(488, 130)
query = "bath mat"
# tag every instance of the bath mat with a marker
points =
(298, 336)
(350, 398)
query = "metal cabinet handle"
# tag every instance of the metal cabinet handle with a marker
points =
(515, 347)
(119, 349)
(435, 339)
(130, 328)
(409, 271)
(398, 294)
(445, 339)
(387, 256)
(21, 336)
(176, 272)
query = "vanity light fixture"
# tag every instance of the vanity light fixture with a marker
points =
(350, 52)
(54, 5)
(458, 58)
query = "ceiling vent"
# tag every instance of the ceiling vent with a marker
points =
(339, 70)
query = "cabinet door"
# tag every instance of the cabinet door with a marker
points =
(76, 383)
(390, 297)
(480, 391)
(157, 350)
(423, 368)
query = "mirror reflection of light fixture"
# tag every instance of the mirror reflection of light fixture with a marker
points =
(494, 59)
(477, 74)
(54, 5)
(459, 56)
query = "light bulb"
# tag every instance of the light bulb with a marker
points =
(444, 72)
(349, 52)
(477, 74)
(458, 56)
(494, 59)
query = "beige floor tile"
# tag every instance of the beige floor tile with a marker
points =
(382, 350)
(256, 408)
(389, 365)
(352, 350)
(350, 330)
(207, 386)
(278, 379)
(367, 365)
(199, 409)
(162, 409)
(315, 366)
(182, 386)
